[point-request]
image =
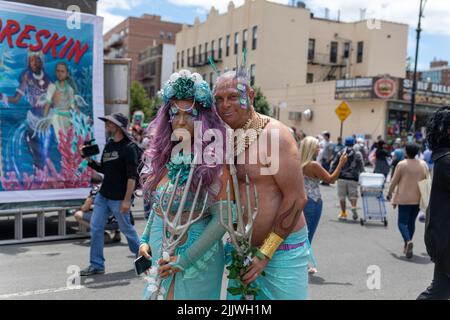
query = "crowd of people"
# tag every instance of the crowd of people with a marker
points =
(289, 204)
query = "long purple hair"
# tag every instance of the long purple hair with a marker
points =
(159, 150)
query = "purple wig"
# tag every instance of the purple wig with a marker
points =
(159, 150)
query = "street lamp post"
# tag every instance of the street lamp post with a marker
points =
(414, 86)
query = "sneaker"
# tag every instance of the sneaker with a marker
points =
(355, 214)
(342, 215)
(409, 250)
(107, 237)
(89, 271)
(117, 237)
(312, 270)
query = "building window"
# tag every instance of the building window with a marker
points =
(236, 42)
(182, 59)
(206, 52)
(211, 79)
(311, 49)
(188, 58)
(220, 48)
(310, 78)
(200, 53)
(244, 39)
(255, 37)
(193, 56)
(151, 91)
(213, 46)
(204, 76)
(152, 68)
(333, 51)
(178, 60)
(252, 74)
(161, 34)
(359, 57)
(170, 35)
(346, 50)
(227, 53)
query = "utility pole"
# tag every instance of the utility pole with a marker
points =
(412, 115)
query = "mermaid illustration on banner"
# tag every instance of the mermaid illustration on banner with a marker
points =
(52, 105)
(187, 195)
(61, 105)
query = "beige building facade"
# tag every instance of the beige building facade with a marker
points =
(296, 59)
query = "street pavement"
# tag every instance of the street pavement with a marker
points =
(354, 262)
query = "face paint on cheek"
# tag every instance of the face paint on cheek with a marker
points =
(243, 99)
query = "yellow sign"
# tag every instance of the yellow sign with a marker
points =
(343, 111)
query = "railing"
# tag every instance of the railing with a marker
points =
(324, 59)
(200, 60)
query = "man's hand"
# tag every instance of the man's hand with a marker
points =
(255, 270)
(125, 207)
(82, 153)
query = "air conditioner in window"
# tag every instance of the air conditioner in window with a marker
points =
(295, 116)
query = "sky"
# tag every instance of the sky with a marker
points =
(435, 38)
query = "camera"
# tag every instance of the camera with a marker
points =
(89, 149)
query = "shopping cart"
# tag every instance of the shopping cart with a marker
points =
(373, 199)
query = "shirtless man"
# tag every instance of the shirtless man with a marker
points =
(280, 228)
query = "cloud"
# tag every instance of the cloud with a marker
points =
(110, 20)
(436, 21)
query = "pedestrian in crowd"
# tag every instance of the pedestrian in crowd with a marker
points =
(375, 144)
(347, 185)
(407, 194)
(397, 155)
(84, 215)
(327, 154)
(119, 167)
(338, 147)
(437, 226)
(361, 147)
(382, 159)
(313, 173)
(138, 135)
(428, 158)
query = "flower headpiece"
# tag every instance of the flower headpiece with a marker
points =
(186, 85)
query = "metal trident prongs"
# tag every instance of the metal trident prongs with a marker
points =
(241, 236)
(174, 230)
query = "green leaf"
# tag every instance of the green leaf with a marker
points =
(234, 274)
(235, 291)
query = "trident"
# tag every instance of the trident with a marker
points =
(241, 237)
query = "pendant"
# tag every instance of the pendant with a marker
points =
(41, 83)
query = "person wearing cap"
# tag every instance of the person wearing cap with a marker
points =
(119, 166)
(347, 185)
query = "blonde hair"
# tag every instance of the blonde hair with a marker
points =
(308, 148)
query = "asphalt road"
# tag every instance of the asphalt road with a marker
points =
(354, 262)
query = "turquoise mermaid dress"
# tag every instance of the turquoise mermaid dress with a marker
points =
(202, 271)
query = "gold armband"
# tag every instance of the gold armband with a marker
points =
(271, 245)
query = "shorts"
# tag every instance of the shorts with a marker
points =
(111, 224)
(347, 188)
(87, 216)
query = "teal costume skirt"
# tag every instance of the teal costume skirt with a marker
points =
(286, 274)
(200, 281)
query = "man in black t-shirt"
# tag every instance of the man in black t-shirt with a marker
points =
(119, 167)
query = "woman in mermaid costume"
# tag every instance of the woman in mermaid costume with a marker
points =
(196, 268)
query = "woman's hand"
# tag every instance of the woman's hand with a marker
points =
(145, 251)
(343, 159)
(165, 269)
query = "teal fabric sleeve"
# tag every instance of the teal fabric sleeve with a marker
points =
(145, 238)
(213, 232)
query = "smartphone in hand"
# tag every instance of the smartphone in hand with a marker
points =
(142, 264)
